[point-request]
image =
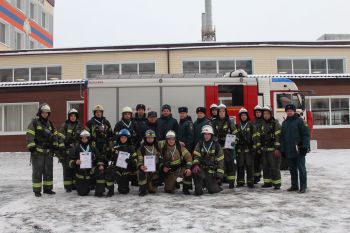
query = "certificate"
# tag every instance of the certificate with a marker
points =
(230, 138)
(122, 156)
(150, 163)
(85, 159)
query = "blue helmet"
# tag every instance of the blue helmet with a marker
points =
(124, 132)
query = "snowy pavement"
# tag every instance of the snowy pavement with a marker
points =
(324, 208)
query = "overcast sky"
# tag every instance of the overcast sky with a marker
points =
(121, 22)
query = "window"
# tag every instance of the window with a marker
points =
(16, 117)
(310, 66)
(43, 19)
(335, 66)
(31, 44)
(20, 4)
(19, 41)
(319, 66)
(284, 67)
(93, 71)
(32, 11)
(38, 74)
(6, 75)
(288, 98)
(301, 66)
(4, 33)
(226, 66)
(147, 68)
(231, 95)
(78, 105)
(54, 73)
(191, 67)
(330, 111)
(129, 68)
(21, 74)
(246, 65)
(111, 69)
(208, 67)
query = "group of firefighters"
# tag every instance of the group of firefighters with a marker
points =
(184, 152)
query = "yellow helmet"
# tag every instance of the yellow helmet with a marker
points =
(98, 108)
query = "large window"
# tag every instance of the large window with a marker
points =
(216, 66)
(310, 66)
(98, 70)
(23, 74)
(15, 118)
(33, 11)
(20, 4)
(231, 95)
(330, 111)
(19, 40)
(4, 33)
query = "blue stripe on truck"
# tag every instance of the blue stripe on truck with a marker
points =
(281, 80)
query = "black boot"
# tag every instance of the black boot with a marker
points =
(142, 191)
(49, 191)
(250, 185)
(186, 191)
(266, 185)
(68, 190)
(293, 189)
(240, 184)
(231, 185)
(110, 193)
(37, 194)
(277, 187)
(302, 190)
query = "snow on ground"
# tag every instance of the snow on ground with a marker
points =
(324, 208)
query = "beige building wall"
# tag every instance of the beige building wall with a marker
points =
(264, 58)
(3, 47)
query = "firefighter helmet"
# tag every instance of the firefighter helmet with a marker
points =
(45, 108)
(98, 108)
(85, 133)
(124, 132)
(150, 134)
(73, 111)
(126, 110)
(243, 111)
(267, 108)
(207, 129)
(258, 108)
(170, 134)
(213, 106)
(222, 106)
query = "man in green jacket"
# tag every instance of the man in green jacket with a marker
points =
(295, 146)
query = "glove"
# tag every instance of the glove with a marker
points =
(196, 169)
(32, 149)
(277, 154)
(131, 164)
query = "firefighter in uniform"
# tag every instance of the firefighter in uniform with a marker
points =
(258, 110)
(208, 163)
(176, 163)
(117, 173)
(165, 123)
(222, 126)
(42, 141)
(270, 133)
(213, 112)
(185, 128)
(148, 181)
(101, 131)
(127, 123)
(201, 121)
(84, 176)
(245, 145)
(140, 120)
(69, 136)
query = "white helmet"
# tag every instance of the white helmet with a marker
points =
(45, 108)
(258, 108)
(222, 106)
(243, 110)
(126, 110)
(267, 108)
(73, 111)
(170, 134)
(213, 106)
(207, 129)
(98, 108)
(239, 73)
(85, 133)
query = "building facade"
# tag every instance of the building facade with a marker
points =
(319, 68)
(26, 24)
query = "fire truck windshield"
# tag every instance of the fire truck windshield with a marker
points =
(287, 98)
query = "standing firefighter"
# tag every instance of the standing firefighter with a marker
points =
(245, 159)
(222, 126)
(69, 136)
(201, 121)
(101, 132)
(176, 163)
(118, 172)
(42, 141)
(270, 133)
(127, 123)
(258, 110)
(185, 128)
(208, 163)
(213, 112)
(296, 145)
(148, 181)
(93, 171)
